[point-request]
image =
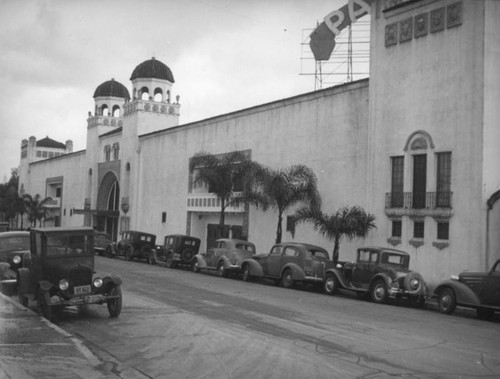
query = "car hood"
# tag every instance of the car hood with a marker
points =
(76, 271)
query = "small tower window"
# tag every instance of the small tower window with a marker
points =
(158, 95)
(144, 93)
(104, 110)
(116, 111)
(116, 150)
(107, 153)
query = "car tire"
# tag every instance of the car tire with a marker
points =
(44, 307)
(169, 262)
(330, 285)
(447, 301)
(485, 314)
(247, 276)
(187, 255)
(129, 253)
(287, 279)
(195, 266)
(379, 293)
(115, 305)
(109, 253)
(221, 270)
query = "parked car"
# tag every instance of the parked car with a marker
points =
(380, 273)
(177, 249)
(14, 254)
(225, 257)
(288, 263)
(102, 240)
(134, 244)
(477, 290)
(62, 272)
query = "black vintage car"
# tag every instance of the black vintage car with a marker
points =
(134, 244)
(380, 273)
(477, 290)
(177, 249)
(14, 254)
(62, 272)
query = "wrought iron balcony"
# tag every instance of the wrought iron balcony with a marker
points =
(418, 200)
(207, 202)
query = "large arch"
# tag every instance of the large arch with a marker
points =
(108, 202)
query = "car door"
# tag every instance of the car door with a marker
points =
(364, 268)
(271, 265)
(491, 286)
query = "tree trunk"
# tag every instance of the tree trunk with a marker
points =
(222, 217)
(279, 230)
(335, 256)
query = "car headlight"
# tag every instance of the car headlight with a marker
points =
(97, 282)
(63, 285)
(414, 284)
(17, 259)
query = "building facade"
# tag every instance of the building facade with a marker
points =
(415, 144)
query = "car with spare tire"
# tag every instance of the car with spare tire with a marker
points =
(134, 245)
(177, 250)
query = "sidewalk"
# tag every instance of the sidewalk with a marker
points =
(32, 347)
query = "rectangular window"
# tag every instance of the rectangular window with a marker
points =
(396, 228)
(418, 229)
(290, 223)
(397, 178)
(164, 217)
(58, 192)
(38, 154)
(44, 154)
(443, 180)
(443, 231)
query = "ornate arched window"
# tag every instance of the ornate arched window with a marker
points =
(116, 151)
(107, 153)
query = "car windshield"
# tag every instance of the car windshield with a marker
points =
(15, 243)
(393, 259)
(244, 246)
(319, 255)
(67, 245)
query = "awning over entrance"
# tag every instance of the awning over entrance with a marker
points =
(97, 212)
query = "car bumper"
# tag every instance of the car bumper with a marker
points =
(88, 299)
(398, 292)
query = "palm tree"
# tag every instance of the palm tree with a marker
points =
(225, 175)
(35, 207)
(282, 189)
(350, 222)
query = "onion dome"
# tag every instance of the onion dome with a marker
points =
(152, 68)
(112, 88)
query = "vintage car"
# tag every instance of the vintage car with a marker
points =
(177, 249)
(14, 254)
(134, 244)
(289, 263)
(225, 257)
(477, 290)
(380, 273)
(62, 272)
(101, 242)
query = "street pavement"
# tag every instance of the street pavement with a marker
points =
(33, 347)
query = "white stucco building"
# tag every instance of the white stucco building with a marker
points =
(416, 144)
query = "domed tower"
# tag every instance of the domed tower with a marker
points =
(152, 83)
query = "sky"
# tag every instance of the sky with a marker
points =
(225, 55)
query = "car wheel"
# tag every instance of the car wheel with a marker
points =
(187, 255)
(169, 262)
(151, 258)
(485, 314)
(23, 299)
(129, 254)
(447, 301)
(287, 278)
(379, 292)
(44, 308)
(115, 305)
(109, 253)
(331, 284)
(195, 266)
(247, 276)
(221, 270)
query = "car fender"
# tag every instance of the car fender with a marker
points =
(4, 267)
(384, 277)
(297, 272)
(463, 293)
(115, 279)
(255, 267)
(202, 263)
(225, 261)
(340, 277)
(24, 281)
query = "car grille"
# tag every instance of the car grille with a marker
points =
(80, 276)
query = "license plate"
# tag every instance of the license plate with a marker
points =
(82, 290)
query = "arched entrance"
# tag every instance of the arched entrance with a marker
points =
(108, 201)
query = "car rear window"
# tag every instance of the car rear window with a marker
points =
(320, 255)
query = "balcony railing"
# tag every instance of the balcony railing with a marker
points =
(207, 202)
(418, 200)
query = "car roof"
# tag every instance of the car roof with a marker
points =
(388, 249)
(14, 234)
(234, 240)
(50, 229)
(138, 232)
(308, 246)
(181, 235)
